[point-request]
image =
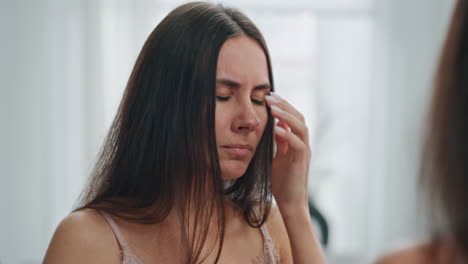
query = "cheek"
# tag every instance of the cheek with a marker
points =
(263, 117)
(221, 120)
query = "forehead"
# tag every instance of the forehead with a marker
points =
(242, 59)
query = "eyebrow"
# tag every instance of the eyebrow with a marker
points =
(234, 84)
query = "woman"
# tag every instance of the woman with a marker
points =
(445, 167)
(184, 174)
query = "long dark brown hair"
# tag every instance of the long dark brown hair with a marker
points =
(445, 159)
(160, 153)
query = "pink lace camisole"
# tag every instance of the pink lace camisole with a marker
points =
(270, 255)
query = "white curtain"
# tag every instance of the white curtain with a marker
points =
(360, 71)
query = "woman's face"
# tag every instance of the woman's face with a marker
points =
(241, 115)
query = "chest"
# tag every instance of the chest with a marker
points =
(244, 245)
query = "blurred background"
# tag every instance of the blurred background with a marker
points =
(359, 70)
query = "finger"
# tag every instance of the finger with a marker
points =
(275, 99)
(281, 142)
(283, 125)
(294, 142)
(296, 126)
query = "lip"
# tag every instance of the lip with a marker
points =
(239, 149)
(238, 146)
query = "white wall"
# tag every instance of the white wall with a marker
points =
(43, 139)
(24, 133)
(410, 33)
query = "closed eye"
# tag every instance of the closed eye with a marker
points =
(226, 98)
(258, 102)
(222, 98)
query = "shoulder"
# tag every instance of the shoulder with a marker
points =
(421, 253)
(83, 237)
(278, 234)
(412, 255)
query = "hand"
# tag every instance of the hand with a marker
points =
(290, 166)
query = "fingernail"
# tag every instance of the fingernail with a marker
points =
(271, 98)
(276, 109)
(280, 130)
(275, 95)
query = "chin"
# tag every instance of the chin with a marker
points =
(233, 169)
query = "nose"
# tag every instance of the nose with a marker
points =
(246, 119)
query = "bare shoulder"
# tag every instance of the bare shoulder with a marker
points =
(417, 254)
(279, 234)
(83, 237)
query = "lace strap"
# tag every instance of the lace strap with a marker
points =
(271, 253)
(118, 234)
